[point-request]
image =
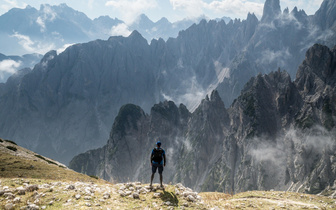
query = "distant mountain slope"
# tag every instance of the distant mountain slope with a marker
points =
(278, 134)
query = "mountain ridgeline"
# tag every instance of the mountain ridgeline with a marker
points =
(278, 134)
(52, 27)
(67, 103)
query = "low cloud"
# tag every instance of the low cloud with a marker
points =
(48, 15)
(315, 140)
(192, 97)
(120, 30)
(280, 57)
(131, 8)
(33, 47)
(8, 67)
(62, 49)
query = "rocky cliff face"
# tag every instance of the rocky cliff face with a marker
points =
(83, 88)
(278, 134)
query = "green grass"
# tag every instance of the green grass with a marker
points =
(34, 169)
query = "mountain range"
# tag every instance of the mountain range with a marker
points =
(278, 134)
(68, 102)
(55, 27)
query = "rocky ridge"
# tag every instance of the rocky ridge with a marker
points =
(43, 194)
(71, 190)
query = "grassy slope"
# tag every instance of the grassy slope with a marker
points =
(23, 166)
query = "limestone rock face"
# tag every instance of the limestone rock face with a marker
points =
(278, 134)
(67, 103)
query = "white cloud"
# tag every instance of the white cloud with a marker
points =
(60, 50)
(9, 4)
(48, 15)
(236, 8)
(90, 4)
(120, 30)
(9, 66)
(192, 8)
(232, 8)
(132, 8)
(192, 97)
(31, 46)
(281, 56)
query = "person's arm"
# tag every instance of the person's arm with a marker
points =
(151, 158)
(164, 159)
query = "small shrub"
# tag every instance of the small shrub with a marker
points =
(93, 176)
(12, 142)
(1, 140)
(12, 148)
(51, 162)
(48, 161)
(39, 156)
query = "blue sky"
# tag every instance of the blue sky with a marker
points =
(174, 10)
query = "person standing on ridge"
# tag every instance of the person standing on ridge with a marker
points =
(158, 161)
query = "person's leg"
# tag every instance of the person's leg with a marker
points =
(152, 177)
(161, 180)
(160, 172)
(154, 167)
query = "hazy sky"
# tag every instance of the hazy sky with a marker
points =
(174, 10)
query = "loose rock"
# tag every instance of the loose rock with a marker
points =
(136, 196)
(32, 188)
(9, 206)
(106, 196)
(78, 196)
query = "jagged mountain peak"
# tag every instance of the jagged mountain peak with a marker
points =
(127, 119)
(215, 96)
(163, 21)
(271, 10)
(317, 70)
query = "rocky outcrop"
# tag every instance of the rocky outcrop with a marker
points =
(278, 134)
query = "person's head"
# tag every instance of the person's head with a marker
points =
(158, 144)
